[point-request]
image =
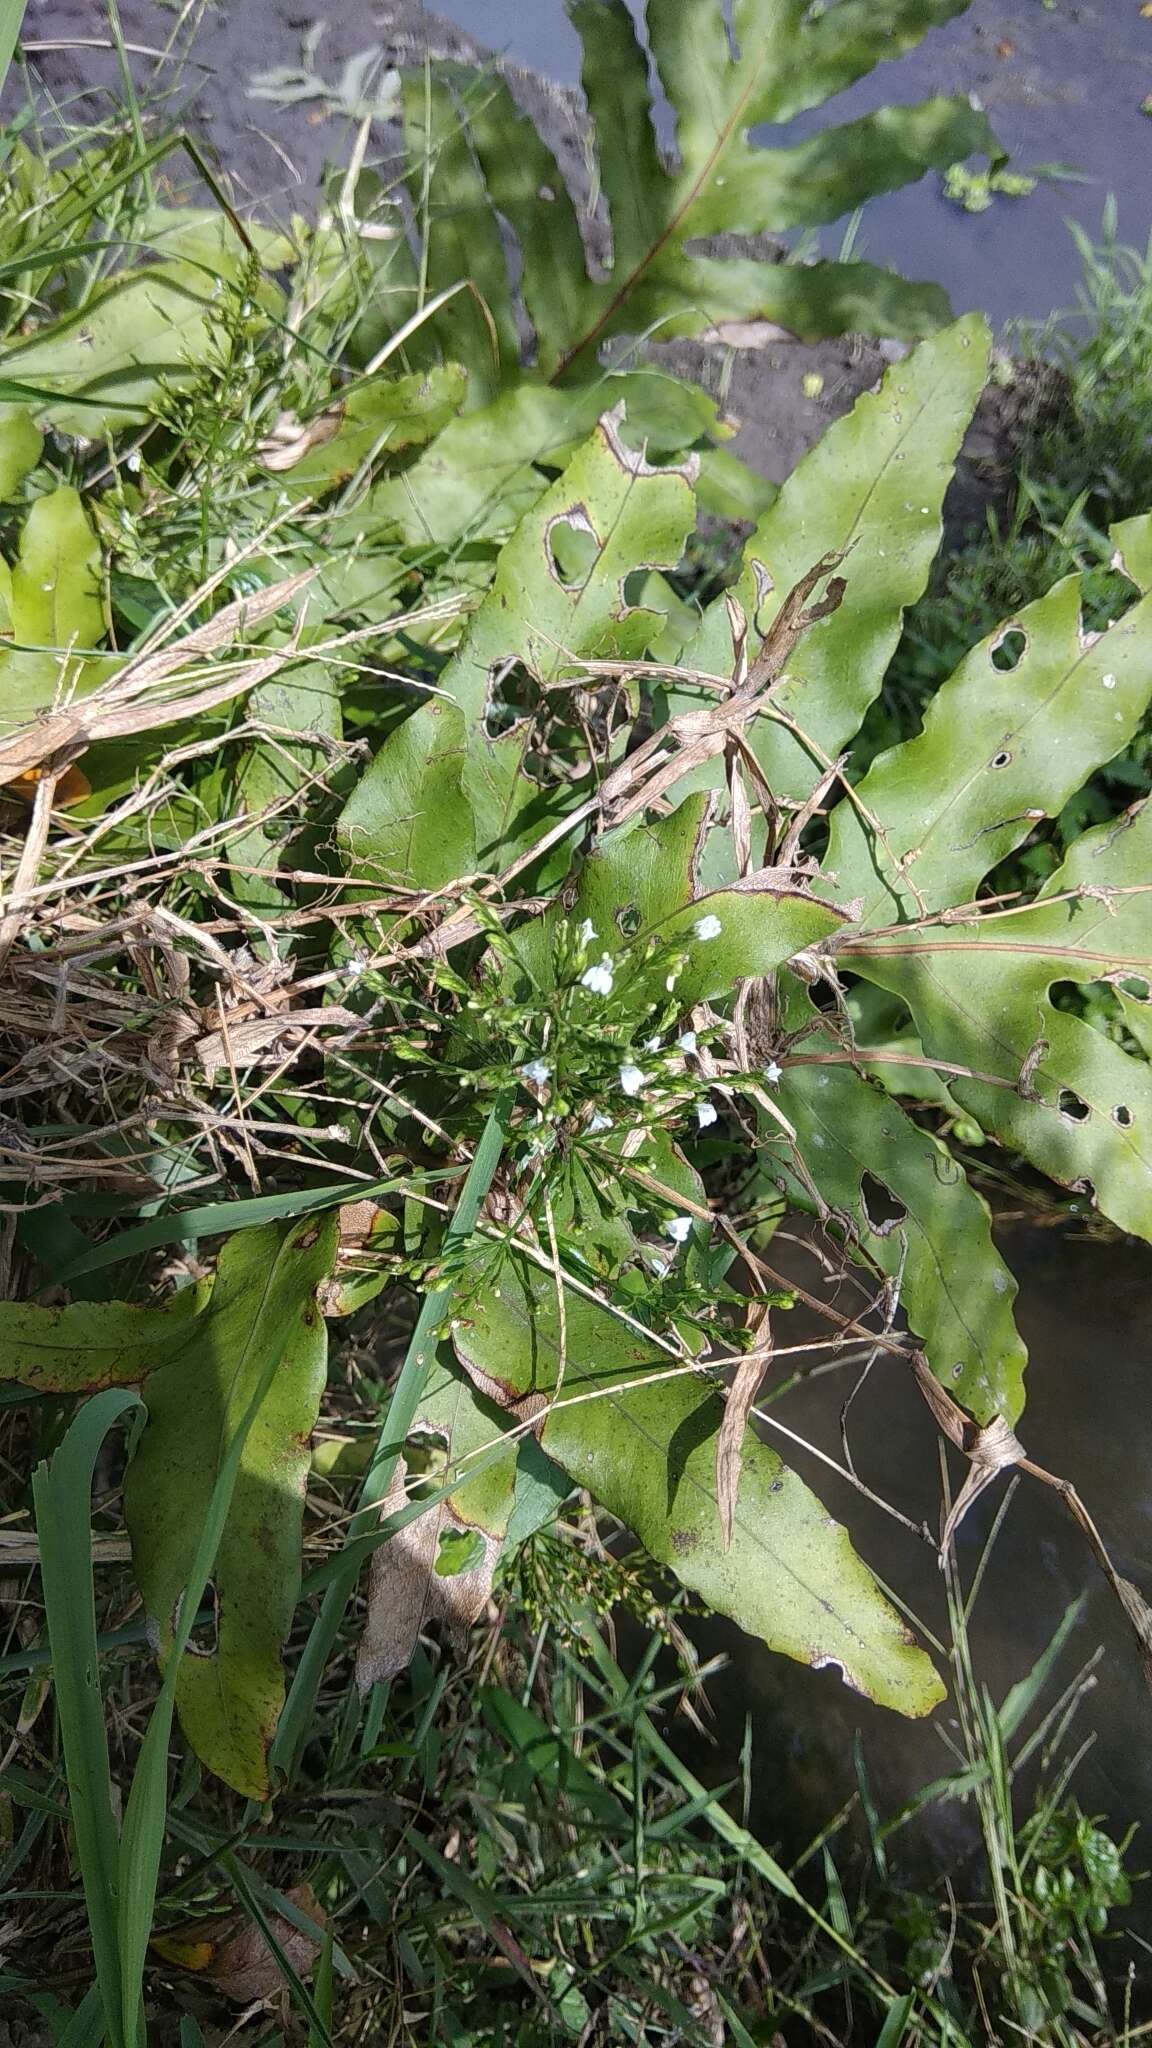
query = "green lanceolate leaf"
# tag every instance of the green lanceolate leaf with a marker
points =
(871, 490)
(647, 1453)
(734, 935)
(408, 819)
(20, 445)
(405, 824)
(264, 1331)
(902, 1204)
(1044, 1080)
(89, 1345)
(1029, 714)
(62, 1493)
(279, 781)
(53, 603)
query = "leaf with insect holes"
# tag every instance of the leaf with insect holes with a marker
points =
(1044, 1081)
(636, 890)
(264, 1329)
(863, 1157)
(482, 174)
(644, 871)
(647, 1453)
(1019, 727)
(542, 616)
(53, 603)
(872, 491)
(489, 467)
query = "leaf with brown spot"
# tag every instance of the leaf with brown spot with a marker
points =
(87, 1345)
(264, 1332)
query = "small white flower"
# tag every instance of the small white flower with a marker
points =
(132, 460)
(599, 978)
(537, 1071)
(587, 932)
(631, 1079)
(652, 1045)
(772, 1073)
(660, 1264)
(598, 1122)
(708, 927)
(687, 1041)
(677, 1228)
(355, 967)
(705, 1115)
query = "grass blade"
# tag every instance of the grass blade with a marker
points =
(11, 21)
(297, 1716)
(214, 1219)
(61, 1491)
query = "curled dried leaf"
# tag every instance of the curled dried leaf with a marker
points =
(730, 1437)
(290, 439)
(236, 1956)
(412, 1583)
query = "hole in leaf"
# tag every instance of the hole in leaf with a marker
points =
(1007, 652)
(633, 588)
(1001, 759)
(1137, 987)
(459, 1550)
(883, 1209)
(1072, 1107)
(572, 547)
(1122, 1115)
(204, 1633)
(513, 695)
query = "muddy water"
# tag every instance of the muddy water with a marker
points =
(1084, 1311)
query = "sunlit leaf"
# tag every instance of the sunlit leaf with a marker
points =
(622, 1419)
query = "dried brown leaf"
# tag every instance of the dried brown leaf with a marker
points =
(730, 1439)
(131, 703)
(291, 439)
(235, 1956)
(406, 1593)
(262, 1041)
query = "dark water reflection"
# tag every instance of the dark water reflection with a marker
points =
(1084, 1310)
(1062, 83)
